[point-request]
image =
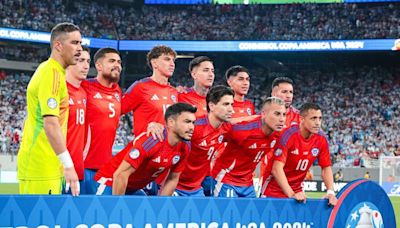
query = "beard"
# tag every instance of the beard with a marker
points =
(112, 76)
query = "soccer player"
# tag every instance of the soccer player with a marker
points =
(133, 168)
(150, 97)
(296, 151)
(282, 87)
(208, 136)
(75, 74)
(248, 142)
(43, 155)
(202, 71)
(102, 113)
(238, 79)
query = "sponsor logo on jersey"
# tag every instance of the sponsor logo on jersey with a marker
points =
(175, 159)
(134, 154)
(157, 159)
(315, 152)
(204, 143)
(365, 214)
(52, 103)
(97, 96)
(253, 146)
(295, 152)
(155, 98)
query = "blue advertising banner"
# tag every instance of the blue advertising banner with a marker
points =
(277, 46)
(44, 37)
(360, 203)
(391, 188)
(216, 46)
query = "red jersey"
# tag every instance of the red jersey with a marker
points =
(292, 117)
(193, 98)
(205, 141)
(102, 116)
(149, 157)
(243, 108)
(298, 155)
(247, 145)
(148, 100)
(76, 126)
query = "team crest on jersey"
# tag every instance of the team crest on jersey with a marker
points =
(315, 152)
(248, 111)
(173, 98)
(84, 102)
(175, 159)
(117, 97)
(278, 152)
(134, 154)
(52, 103)
(220, 138)
(272, 143)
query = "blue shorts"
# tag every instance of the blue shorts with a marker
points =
(227, 190)
(89, 185)
(198, 192)
(151, 189)
(208, 186)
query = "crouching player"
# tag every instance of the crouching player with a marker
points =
(147, 158)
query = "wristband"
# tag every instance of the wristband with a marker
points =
(65, 159)
(330, 192)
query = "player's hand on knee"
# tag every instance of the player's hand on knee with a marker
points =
(71, 181)
(156, 130)
(300, 197)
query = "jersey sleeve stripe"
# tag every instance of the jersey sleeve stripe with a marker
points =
(136, 83)
(246, 126)
(288, 133)
(201, 121)
(149, 143)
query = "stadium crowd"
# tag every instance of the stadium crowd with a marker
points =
(360, 105)
(208, 22)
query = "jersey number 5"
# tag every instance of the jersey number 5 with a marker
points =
(112, 109)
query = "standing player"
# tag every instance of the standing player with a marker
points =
(75, 74)
(43, 155)
(296, 151)
(133, 168)
(208, 136)
(150, 97)
(202, 71)
(248, 142)
(103, 112)
(238, 79)
(282, 87)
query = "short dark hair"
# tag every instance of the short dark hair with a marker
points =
(280, 80)
(308, 106)
(197, 61)
(85, 48)
(216, 93)
(103, 51)
(157, 51)
(234, 70)
(61, 29)
(176, 109)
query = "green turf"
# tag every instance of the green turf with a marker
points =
(13, 189)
